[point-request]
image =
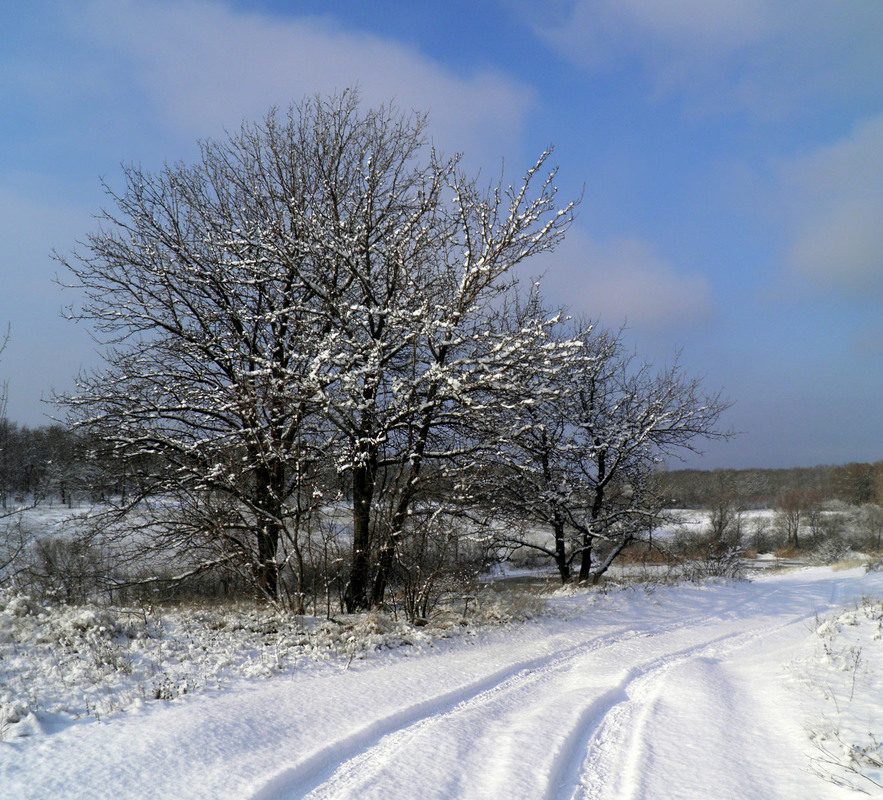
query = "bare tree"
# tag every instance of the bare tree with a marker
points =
(583, 463)
(790, 507)
(320, 287)
(530, 476)
(420, 257)
(725, 518)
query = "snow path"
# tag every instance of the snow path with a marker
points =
(678, 694)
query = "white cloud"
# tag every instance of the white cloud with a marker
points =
(833, 199)
(205, 66)
(622, 280)
(692, 26)
(762, 56)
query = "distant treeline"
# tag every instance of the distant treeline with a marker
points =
(35, 462)
(856, 484)
(53, 464)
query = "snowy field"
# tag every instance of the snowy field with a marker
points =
(758, 689)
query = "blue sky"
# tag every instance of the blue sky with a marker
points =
(730, 158)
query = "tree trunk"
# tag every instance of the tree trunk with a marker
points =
(611, 557)
(356, 596)
(384, 570)
(267, 566)
(585, 566)
(270, 484)
(561, 550)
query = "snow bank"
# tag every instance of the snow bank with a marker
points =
(72, 662)
(842, 680)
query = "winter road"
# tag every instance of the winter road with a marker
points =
(680, 693)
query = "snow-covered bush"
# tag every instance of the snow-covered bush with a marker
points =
(717, 563)
(62, 567)
(508, 605)
(703, 555)
(829, 551)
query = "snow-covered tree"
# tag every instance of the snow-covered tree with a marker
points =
(790, 506)
(321, 287)
(582, 462)
(416, 258)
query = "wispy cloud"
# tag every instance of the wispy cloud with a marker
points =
(205, 66)
(597, 31)
(833, 198)
(624, 281)
(766, 57)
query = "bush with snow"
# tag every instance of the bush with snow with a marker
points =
(829, 551)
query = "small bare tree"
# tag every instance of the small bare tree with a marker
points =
(790, 506)
(582, 461)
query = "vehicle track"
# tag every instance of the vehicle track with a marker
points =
(354, 750)
(362, 755)
(601, 753)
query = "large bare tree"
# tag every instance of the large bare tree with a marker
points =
(319, 288)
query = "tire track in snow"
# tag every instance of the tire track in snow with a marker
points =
(321, 766)
(602, 750)
(342, 764)
(350, 753)
(361, 768)
(347, 754)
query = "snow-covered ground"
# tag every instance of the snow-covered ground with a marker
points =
(727, 690)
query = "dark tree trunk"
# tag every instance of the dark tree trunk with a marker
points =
(384, 570)
(415, 464)
(356, 596)
(270, 485)
(267, 566)
(585, 565)
(561, 550)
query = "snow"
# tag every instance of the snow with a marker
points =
(842, 681)
(692, 691)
